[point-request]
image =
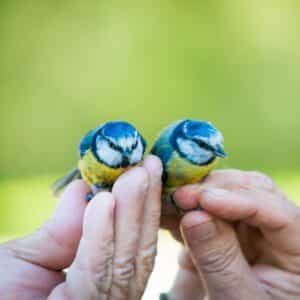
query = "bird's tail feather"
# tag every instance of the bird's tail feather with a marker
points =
(61, 183)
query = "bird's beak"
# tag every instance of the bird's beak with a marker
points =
(125, 161)
(219, 151)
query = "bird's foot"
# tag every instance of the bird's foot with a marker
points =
(89, 197)
(95, 189)
(170, 200)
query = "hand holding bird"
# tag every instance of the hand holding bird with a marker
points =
(189, 150)
(104, 154)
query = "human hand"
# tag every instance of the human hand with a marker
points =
(109, 244)
(244, 245)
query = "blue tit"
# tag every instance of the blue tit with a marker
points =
(189, 150)
(104, 154)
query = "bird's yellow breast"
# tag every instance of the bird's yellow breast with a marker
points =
(95, 172)
(181, 171)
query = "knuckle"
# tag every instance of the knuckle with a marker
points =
(230, 280)
(53, 238)
(219, 260)
(227, 277)
(102, 270)
(146, 258)
(257, 178)
(124, 271)
(98, 269)
(146, 264)
(245, 180)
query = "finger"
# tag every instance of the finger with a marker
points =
(54, 245)
(278, 283)
(90, 275)
(238, 179)
(170, 219)
(188, 284)
(218, 258)
(250, 239)
(59, 293)
(148, 237)
(186, 196)
(256, 207)
(275, 216)
(129, 191)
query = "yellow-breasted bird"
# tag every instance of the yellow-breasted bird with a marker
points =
(189, 150)
(104, 154)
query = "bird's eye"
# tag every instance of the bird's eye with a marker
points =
(201, 144)
(134, 145)
(111, 145)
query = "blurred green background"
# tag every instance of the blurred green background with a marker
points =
(66, 66)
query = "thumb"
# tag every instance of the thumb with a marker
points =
(218, 258)
(54, 245)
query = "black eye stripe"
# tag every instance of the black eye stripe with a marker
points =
(113, 146)
(203, 145)
(119, 148)
(134, 145)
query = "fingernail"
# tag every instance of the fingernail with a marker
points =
(154, 164)
(201, 232)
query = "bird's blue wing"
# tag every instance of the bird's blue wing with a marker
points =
(163, 148)
(86, 142)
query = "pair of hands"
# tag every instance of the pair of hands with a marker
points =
(109, 244)
(244, 245)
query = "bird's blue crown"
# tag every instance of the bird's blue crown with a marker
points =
(192, 129)
(198, 129)
(118, 130)
(117, 144)
(198, 141)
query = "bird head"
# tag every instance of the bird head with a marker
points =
(118, 144)
(198, 141)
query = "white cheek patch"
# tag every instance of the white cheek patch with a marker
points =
(108, 155)
(137, 153)
(193, 152)
(187, 146)
(216, 139)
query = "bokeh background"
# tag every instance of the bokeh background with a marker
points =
(67, 66)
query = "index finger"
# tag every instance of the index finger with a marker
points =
(232, 179)
(236, 179)
(130, 191)
(276, 217)
(149, 233)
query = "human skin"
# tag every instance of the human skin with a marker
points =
(109, 244)
(244, 244)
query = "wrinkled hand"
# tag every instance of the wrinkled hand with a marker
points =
(244, 245)
(109, 245)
